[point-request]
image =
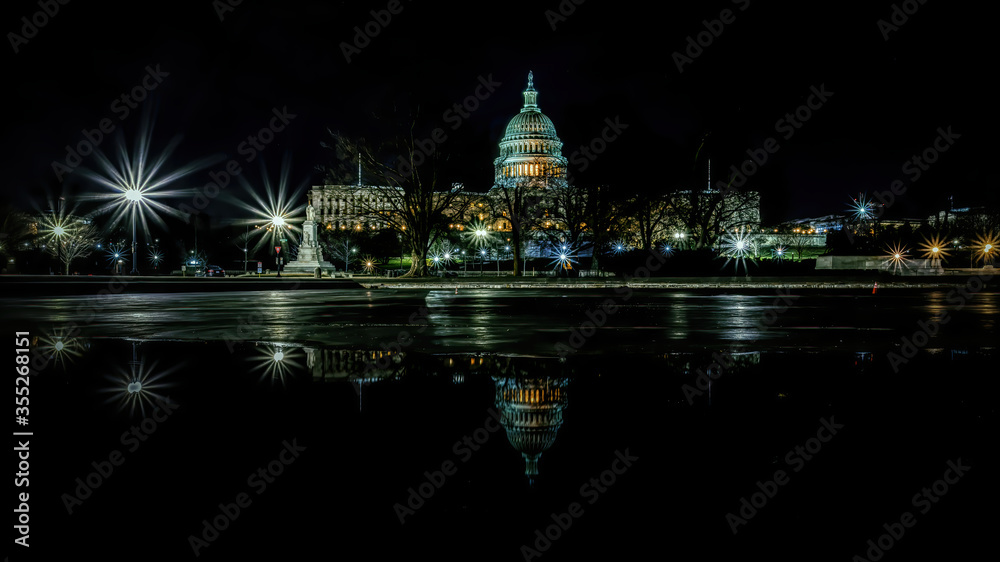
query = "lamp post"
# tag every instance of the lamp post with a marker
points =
(245, 237)
(59, 231)
(134, 197)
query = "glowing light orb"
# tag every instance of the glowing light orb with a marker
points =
(563, 260)
(368, 264)
(60, 346)
(984, 245)
(137, 387)
(862, 208)
(934, 248)
(133, 195)
(58, 231)
(276, 362)
(737, 247)
(478, 234)
(897, 259)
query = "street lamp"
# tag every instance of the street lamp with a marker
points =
(246, 238)
(134, 197)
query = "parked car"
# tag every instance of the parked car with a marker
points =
(446, 273)
(214, 271)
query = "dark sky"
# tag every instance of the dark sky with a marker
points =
(605, 60)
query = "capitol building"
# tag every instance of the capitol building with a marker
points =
(530, 156)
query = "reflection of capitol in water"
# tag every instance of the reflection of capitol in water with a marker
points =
(357, 365)
(531, 410)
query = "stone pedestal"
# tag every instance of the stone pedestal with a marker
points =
(310, 254)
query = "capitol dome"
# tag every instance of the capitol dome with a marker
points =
(530, 147)
(531, 412)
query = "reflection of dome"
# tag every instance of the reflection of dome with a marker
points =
(530, 147)
(531, 412)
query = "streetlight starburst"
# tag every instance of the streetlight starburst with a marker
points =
(116, 253)
(862, 208)
(368, 264)
(935, 247)
(136, 181)
(985, 246)
(276, 216)
(896, 257)
(276, 362)
(738, 247)
(60, 346)
(564, 259)
(479, 234)
(137, 386)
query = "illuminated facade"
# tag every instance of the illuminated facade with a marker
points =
(530, 155)
(530, 147)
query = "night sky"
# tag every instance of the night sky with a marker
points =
(605, 60)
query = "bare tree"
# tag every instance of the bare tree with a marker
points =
(15, 228)
(649, 216)
(706, 213)
(406, 190)
(605, 217)
(563, 217)
(77, 242)
(515, 203)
